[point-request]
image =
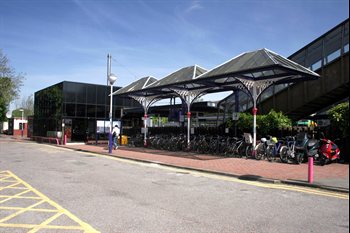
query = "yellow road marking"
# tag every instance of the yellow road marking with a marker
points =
(25, 197)
(57, 210)
(9, 186)
(287, 187)
(32, 209)
(15, 196)
(35, 229)
(9, 225)
(20, 211)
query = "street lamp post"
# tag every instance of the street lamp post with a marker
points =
(22, 110)
(111, 80)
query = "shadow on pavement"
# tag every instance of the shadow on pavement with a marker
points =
(249, 177)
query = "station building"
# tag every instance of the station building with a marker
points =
(80, 110)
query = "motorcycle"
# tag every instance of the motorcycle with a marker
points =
(323, 150)
(300, 147)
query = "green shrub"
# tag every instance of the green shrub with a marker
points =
(266, 124)
(339, 116)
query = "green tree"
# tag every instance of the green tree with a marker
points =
(27, 104)
(245, 122)
(339, 116)
(273, 121)
(10, 84)
(266, 124)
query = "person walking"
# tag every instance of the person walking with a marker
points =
(115, 135)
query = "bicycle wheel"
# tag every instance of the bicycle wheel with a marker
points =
(284, 154)
(249, 151)
(269, 154)
(260, 151)
(241, 150)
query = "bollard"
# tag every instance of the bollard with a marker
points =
(310, 169)
(110, 144)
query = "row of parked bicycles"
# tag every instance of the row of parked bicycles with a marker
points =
(202, 144)
(291, 149)
(296, 149)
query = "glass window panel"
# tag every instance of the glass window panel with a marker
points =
(81, 110)
(101, 111)
(116, 113)
(91, 94)
(117, 101)
(257, 74)
(346, 34)
(69, 92)
(81, 93)
(346, 48)
(333, 56)
(316, 65)
(267, 93)
(280, 87)
(91, 111)
(102, 94)
(314, 53)
(70, 109)
(332, 41)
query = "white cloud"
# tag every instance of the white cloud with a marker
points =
(195, 5)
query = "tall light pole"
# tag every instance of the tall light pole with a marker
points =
(111, 79)
(22, 110)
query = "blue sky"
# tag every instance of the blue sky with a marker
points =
(55, 40)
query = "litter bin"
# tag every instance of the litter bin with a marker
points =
(124, 140)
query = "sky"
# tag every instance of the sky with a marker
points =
(51, 41)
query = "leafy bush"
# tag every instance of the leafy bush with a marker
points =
(266, 124)
(339, 116)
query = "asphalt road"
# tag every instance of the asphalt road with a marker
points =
(113, 195)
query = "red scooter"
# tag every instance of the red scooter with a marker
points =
(325, 151)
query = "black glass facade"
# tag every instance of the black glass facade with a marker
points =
(75, 108)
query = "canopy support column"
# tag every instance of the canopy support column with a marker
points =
(188, 97)
(188, 126)
(255, 88)
(145, 130)
(146, 102)
(254, 111)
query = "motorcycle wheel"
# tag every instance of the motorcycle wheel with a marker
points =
(284, 154)
(322, 160)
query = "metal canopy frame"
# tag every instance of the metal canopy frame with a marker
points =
(180, 84)
(135, 91)
(252, 72)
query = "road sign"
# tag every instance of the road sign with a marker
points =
(235, 116)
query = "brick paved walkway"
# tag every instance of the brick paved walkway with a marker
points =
(334, 175)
